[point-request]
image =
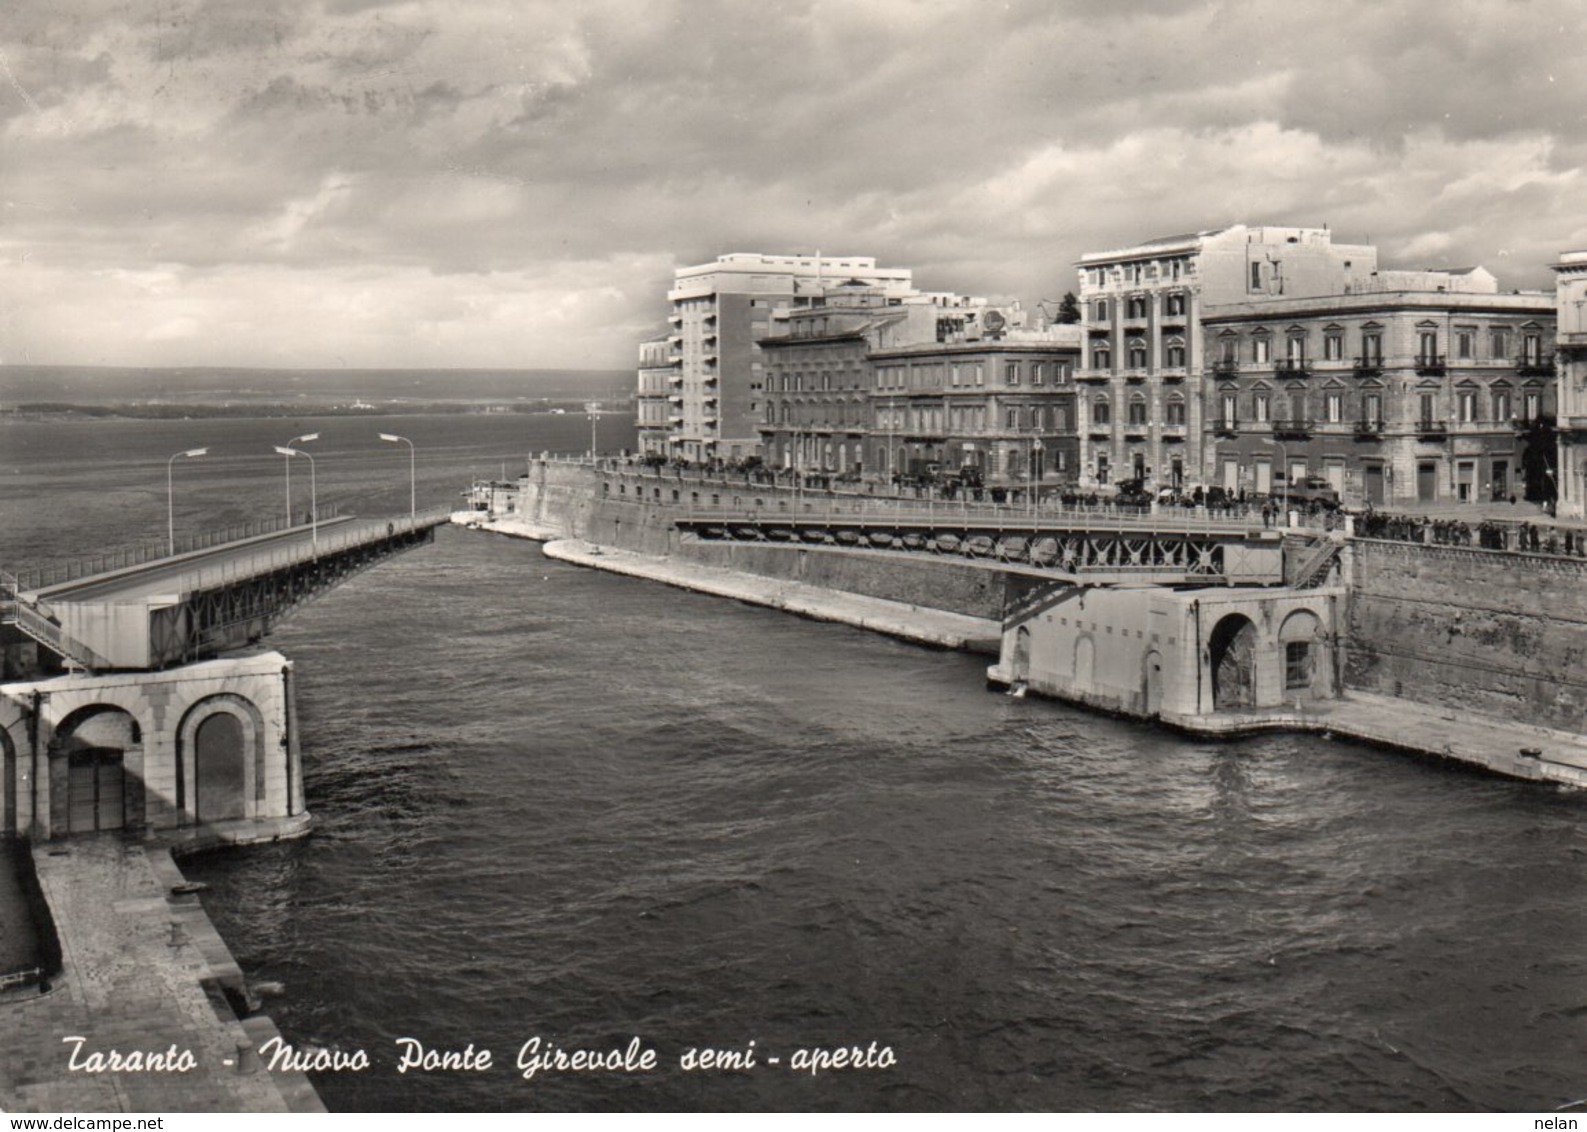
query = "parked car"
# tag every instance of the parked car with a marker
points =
(1314, 489)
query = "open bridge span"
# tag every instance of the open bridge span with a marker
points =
(119, 612)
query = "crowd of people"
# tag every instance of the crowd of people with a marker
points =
(1490, 534)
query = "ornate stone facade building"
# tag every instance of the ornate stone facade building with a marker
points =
(1440, 394)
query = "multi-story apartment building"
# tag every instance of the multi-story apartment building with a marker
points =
(1570, 295)
(659, 403)
(1141, 311)
(1432, 394)
(720, 312)
(1000, 407)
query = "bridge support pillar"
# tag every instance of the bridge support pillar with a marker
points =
(205, 754)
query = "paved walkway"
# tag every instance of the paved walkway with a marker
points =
(1478, 740)
(142, 972)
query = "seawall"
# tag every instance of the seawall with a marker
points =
(1501, 633)
(143, 972)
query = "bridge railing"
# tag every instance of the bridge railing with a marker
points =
(330, 541)
(337, 540)
(125, 558)
(870, 509)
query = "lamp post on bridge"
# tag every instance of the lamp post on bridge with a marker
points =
(314, 507)
(293, 443)
(412, 480)
(170, 496)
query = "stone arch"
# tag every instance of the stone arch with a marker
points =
(1152, 683)
(8, 785)
(1231, 659)
(1085, 663)
(96, 771)
(221, 773)
(1305, 656)
(1020, 665)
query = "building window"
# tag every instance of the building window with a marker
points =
(1101, 412)
(1297, 665)
(1101, 358)
(1137, 307)
(1230, 351)
(1499, 340)
(1425, 408)
(1532, 349)
(1333, 347)
(1011, 373)
(1011, 418)
(1256, 277)
(1259, 350)
(1137, 354)
(1372, 346)
(1174, 356)
(1534, 406)
(1038, 373)
(1230, 413)
(1176, 411)
(1427, 345)
(1138, 411)
(1333, 407)
(1174, 304)
(1501, 404)
(1372, 408)
(1468, 406)
(1102, 467)
(1295, 348)
(1261, 408)
(1099, 311)
(1465, 344)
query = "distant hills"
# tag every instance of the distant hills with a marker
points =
(217, 391)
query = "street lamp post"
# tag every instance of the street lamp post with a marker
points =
(1283, 455)
(593, 410)
(293, 443)
(170, 497)
(412, 474)
(314, 507)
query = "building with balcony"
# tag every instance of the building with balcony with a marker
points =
(659, 401)
(1570, 297)
(720, 312)
(1142, 307)
(999, 410)
(1434, 393)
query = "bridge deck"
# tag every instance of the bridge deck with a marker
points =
(218, 565)
(168, 610)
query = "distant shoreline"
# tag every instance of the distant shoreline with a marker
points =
(167, 411)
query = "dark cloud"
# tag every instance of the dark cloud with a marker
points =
(300, 144)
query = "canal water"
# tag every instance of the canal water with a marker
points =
(557, 804)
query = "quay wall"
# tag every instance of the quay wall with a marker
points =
(624, 510)
(1503, 633)
(1497, 632)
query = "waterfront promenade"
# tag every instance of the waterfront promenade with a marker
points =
(143, 971)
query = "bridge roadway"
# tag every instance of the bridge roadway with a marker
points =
(147, 615)
(216, 565)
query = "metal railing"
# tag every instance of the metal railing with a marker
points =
(346, 533)
(127, 558)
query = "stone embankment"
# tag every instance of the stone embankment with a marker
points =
(144, 974)
(921, 625)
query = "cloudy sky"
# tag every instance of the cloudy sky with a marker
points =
(509, 183)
